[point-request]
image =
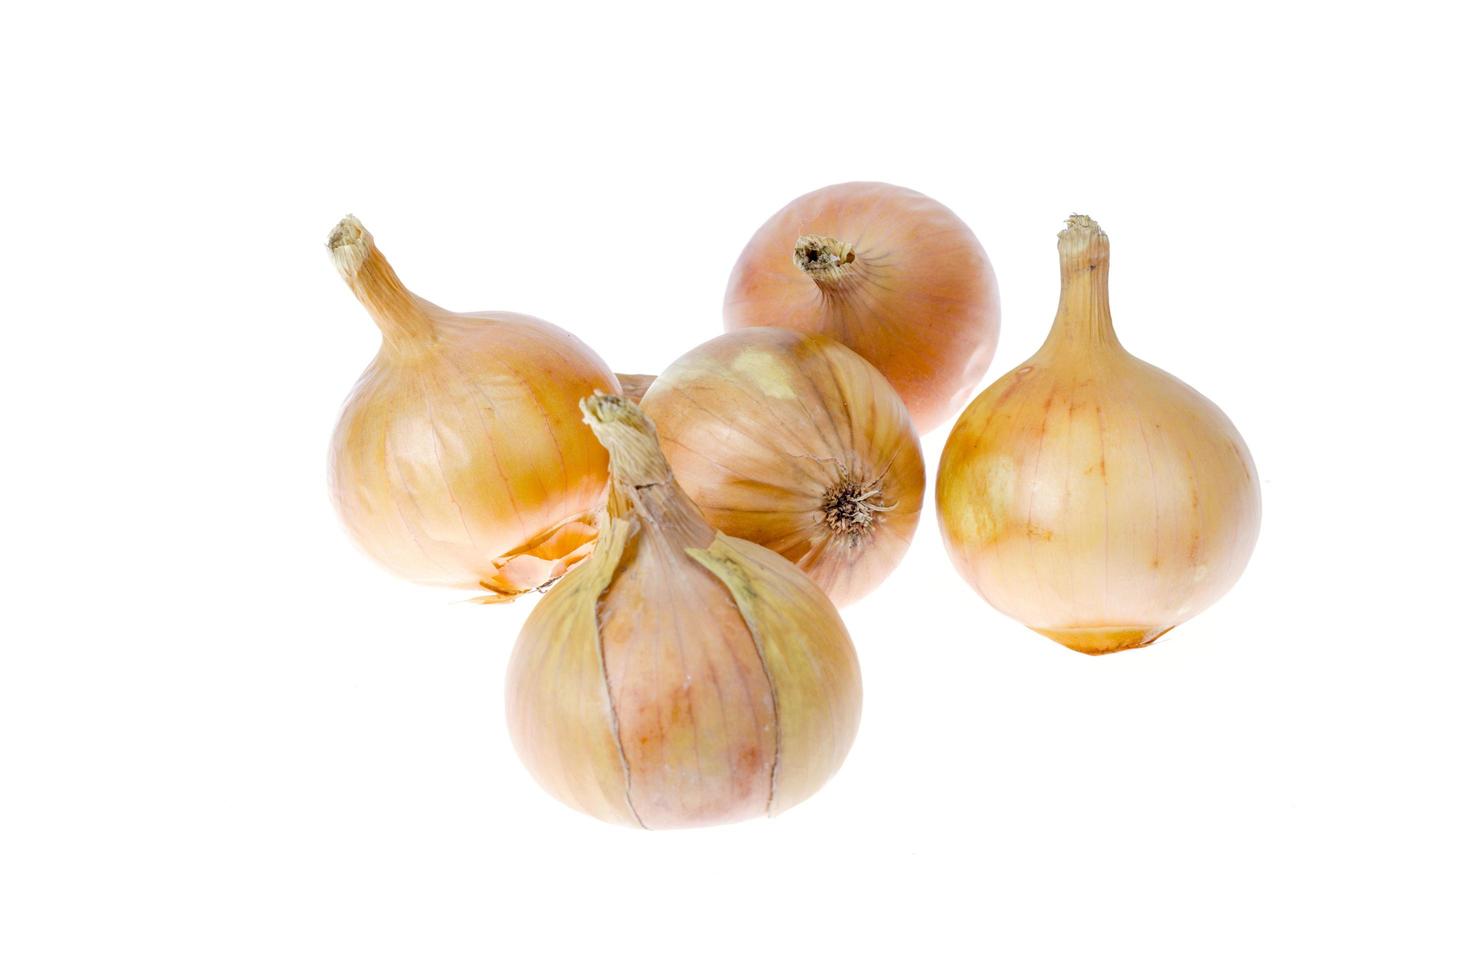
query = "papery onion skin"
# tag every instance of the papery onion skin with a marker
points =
(796, 443)
(894, 275)
(634, 386)
(678, 677)
(460, 458)
(1089, 495)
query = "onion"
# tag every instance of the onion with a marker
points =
(460, 458)
(887, 271)
(1089, 495)
(796, 443)
(678, 677)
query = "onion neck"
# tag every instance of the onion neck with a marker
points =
(1083, 319)
(826, 259)
(642, 482)
(405, 319)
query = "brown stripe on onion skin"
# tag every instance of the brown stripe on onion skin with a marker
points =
(1106, 521)
(678, 677)
(796, 443)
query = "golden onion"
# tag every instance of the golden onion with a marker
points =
(1089, 495)
(460, 458)
(678, 677)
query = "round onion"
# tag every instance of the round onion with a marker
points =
(887, 271)
(460, 458)
(794, 442)
(679, 677)
(1089, 495)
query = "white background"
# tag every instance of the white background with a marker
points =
(232, 747)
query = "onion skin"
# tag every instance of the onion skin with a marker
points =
(1089, 495)
(796, 443)
(460, 458)
(678, 677)
(907, 285)
(634, 386)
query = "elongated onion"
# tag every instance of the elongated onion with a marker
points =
(887, 271)
(1089, 495)
(796, 443)
(460, 458)
(678, 677)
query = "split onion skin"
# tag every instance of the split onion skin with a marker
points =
(887, 271)
(796, 443)
(1089, 495)
(678, 677)
(460, 458)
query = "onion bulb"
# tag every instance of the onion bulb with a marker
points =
(1089, 495)
(460, 458)
(796, 443)
(887, 271)
(678, 677)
